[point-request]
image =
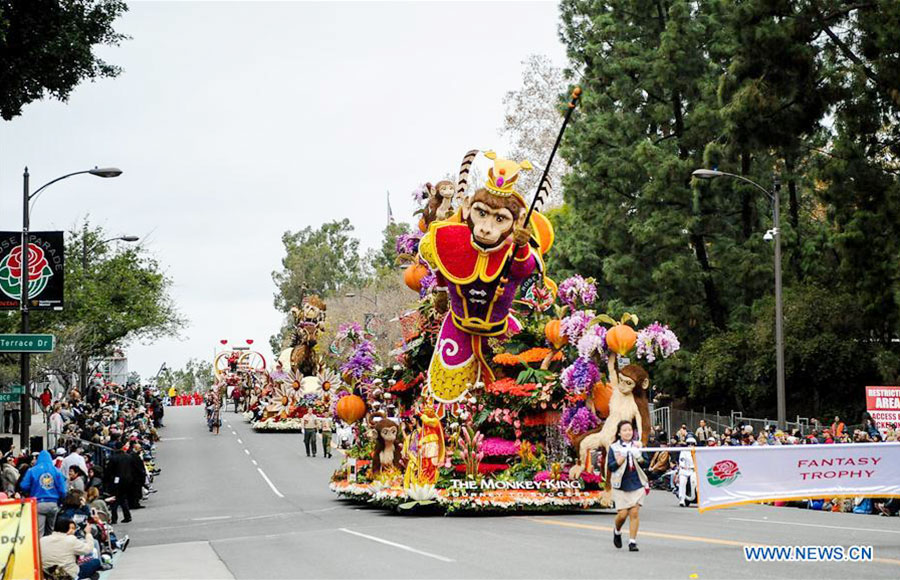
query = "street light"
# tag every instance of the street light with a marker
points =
(85, 251)
(774, 233)
(25, 369)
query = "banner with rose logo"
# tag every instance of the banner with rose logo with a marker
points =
(728, 476)
(45, 267)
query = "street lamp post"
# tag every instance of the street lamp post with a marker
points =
(25, 368)
(779, 316)
(85, 251)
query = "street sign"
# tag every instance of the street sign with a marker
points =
(9, 398)
(12, 390)
(27, 342)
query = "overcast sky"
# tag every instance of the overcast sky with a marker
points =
(236, 121)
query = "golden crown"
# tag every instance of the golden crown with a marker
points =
(502, 177)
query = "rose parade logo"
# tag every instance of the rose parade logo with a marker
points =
(39, 272)
(723, 473)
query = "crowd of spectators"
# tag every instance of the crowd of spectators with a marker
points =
(665, 463)
(100, 462)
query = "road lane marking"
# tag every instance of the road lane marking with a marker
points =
(396, 545)
(247, 452)
(269, 481)
(681, 537)
(234, 432)
(210, 518)
(877, 531)
(254, 462)
(239, 441)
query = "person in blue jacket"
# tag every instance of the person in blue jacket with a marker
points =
(47, 486)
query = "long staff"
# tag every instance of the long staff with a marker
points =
(504, 277)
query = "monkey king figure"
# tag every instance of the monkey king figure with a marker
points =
(468, 254)
(425, 451)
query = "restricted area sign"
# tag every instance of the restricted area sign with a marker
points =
(27, 342)
(883, 403)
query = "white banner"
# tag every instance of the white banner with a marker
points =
(728, 476)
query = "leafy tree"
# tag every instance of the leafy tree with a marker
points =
(317, 261)
(750, 87)
(383, 260)
(196, 375)
(122, 296)
(47, 48)
(532, 120)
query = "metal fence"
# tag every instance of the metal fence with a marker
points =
(670, 420)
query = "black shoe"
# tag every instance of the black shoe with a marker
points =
(632, 547)
(617, 540)
(126, 520)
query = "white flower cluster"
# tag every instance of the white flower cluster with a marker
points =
(284, 425)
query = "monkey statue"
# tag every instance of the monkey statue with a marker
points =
(440, 202)
(388, 445)
(309, 321)
(468, 254)
(628, 402)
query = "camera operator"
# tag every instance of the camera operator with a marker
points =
(61, 549)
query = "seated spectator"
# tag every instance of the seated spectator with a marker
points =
(9, 475)
(660, 463)
(682, 433)
(60, 551)
(77, 478)
(98, 506)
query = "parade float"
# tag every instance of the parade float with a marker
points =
(505, 386)
(300, 383)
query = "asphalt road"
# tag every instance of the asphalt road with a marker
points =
(258, 504)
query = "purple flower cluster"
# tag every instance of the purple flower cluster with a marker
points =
(408, 243)
(577, 289)
(420, 195)
(655, 341)
(574, 325)
(362, 360)
(428, 282)
(580, 376)
(349, 330)
(593, 341)
(578, 419)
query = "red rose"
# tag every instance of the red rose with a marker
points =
(725, 469)
(36, 262)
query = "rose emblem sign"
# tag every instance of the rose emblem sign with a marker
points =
(723, 473)
(39, 272)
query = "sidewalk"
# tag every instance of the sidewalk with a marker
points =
(186, 561)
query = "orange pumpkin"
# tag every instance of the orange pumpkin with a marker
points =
(554, 336)
(351, 408)
(413, 275)
(600, 395)
(621, 338)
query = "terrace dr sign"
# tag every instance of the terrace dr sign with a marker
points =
(27, 342)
